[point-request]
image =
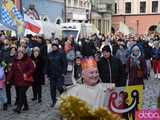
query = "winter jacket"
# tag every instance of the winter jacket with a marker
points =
(18, 69)
(156, 53)
(117, 72)
(56, 64)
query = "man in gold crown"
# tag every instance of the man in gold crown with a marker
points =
(92, 91)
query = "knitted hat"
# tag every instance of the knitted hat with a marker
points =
(106, 48)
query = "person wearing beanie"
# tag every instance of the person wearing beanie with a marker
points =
(55, 70)
(136, 66)
(110, 68)
(11, 58)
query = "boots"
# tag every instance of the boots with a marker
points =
(5, 106)
(25, 108)
(17, 110)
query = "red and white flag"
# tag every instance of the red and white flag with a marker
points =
(31, 24)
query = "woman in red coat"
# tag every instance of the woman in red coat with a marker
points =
(21, 74)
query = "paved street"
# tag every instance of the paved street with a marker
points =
(38, 111)
(43, 111)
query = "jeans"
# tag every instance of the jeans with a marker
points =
(56, 83)
(8, 93)
(3, 98)
(37, 91)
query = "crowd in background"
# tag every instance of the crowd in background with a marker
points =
(27, 62)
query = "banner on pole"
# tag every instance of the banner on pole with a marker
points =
(125, 101)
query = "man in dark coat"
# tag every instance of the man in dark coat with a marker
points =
(110, 68)
(55, 70)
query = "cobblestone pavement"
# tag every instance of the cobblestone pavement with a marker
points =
(38, 111)
(43, 111)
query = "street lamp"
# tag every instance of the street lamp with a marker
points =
(65, 11)
(137, 26)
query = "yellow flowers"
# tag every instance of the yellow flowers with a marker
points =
(72, 108)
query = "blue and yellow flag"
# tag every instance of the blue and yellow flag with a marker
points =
(12, 17)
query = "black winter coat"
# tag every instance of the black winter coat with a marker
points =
(56, 64)
(117, 72)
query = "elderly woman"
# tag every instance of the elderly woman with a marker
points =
(136, 67)
(21, 75)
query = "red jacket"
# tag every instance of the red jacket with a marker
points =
(20, 67)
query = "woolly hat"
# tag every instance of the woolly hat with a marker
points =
(106, 48)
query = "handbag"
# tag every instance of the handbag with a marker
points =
(26, 78)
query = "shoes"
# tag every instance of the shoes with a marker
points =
(25, 109)
(33, 99)
(8, 103)
(5, 106)
(39, 101)
(17, 111)
(52, 105)
(16, 103)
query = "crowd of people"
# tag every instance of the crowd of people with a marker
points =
(27, 62)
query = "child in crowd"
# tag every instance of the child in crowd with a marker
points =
(77, 71)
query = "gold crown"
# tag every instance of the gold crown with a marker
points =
(88, 62)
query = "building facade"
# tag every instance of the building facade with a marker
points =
(102, 15)
(51, 10)
(142, 16)
(78, 10)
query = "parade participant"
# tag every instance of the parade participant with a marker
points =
(21, 74)
(136, 67)
(92, 91)
(55, 70)
(156, 58)
(37, 75)
(3, 99)
(110, 68)
(11, 57)
(77, 71)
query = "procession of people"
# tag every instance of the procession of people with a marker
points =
(116, 60)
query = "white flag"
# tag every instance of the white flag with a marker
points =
(124, 29)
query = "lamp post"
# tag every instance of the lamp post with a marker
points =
(65, 11)
(137, 26)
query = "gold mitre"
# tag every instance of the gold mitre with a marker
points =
(88, 62)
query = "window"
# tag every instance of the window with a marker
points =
(154, 6)
(81, 3)
(109, 7)
(142, 7)
(115, 8)
(128, 7)
(76, 2)
(69, 2)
